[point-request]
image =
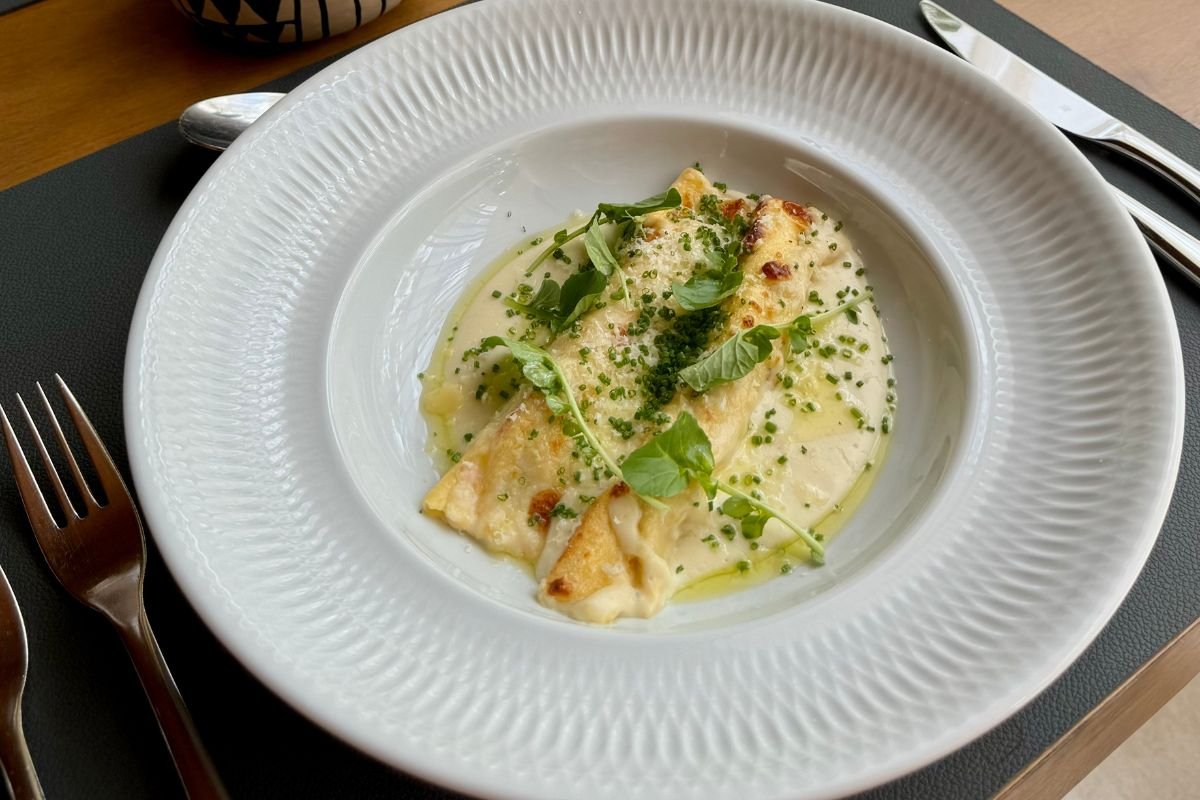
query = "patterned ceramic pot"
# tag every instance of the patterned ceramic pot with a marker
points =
(278, 21)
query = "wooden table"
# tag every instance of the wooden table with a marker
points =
(62, 59)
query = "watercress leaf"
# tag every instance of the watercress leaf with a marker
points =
(732, 360)
(736, 507)
(753, 524)
(579, 293)
(547, 295)
(525, 352)
(558, 406)
(540, 375)
(687, 443)
(651, 471)
(560, 306)
(543, 305)
(598, 251)
(615, 212)
(706, 289)
(536, 364)
(667, 463)
(798, 333)
(512, 344)
(720, 260)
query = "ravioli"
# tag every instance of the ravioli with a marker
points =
(798, 428)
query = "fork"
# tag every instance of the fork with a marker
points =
(99, 557)
(14, 663)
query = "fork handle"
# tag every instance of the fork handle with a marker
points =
(195, 769)
(18, 765)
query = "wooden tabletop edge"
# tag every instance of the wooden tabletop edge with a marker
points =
(1087, 743)
(71, 90)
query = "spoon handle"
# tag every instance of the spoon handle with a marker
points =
(1176, 245)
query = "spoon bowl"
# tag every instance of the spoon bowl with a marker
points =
(214, 123)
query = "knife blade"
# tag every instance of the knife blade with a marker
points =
(1055, 102)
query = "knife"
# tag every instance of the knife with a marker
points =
(1072, 113)
(1056, 102)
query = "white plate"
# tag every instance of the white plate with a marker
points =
(271, 398)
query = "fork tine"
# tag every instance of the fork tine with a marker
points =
(110, 479)
(31, 496)
(51, 470)
(65, 449)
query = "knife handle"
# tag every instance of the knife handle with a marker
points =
(1152, 154)
(1177, 245)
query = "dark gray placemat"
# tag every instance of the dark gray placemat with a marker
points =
(12, 5)
(74, 246)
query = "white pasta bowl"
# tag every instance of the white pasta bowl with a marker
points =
(276, 442)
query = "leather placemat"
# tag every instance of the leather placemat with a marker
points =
(74, 246)
(12, 5)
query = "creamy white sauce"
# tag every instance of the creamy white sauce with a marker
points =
(448, 399)
(826, 452)
(812, 453)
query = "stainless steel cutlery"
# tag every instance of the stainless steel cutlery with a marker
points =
(14, 663)
(99, 557)
(1055, 102)
(1078, 116)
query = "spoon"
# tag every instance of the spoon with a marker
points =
(214, 123)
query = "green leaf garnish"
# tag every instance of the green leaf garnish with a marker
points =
(706, 290)
(603, 259)
(709, 287)
(579, 293)
(735, 358)
(799, 332)
(543, 305)
(540, 369)
(560, 306)
(616, 212)
(665, 465)
(610, 212)
(741, 353)
(736, 507)
(597, 249)
(753, 524)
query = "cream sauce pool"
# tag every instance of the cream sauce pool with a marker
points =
(811, 450)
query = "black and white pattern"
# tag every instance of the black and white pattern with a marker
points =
(281, 21)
